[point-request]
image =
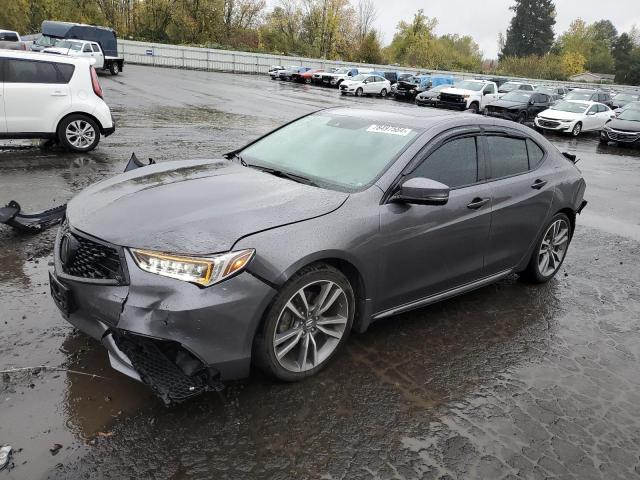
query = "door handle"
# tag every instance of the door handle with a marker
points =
(478, 202)
(58, 93)
(538, 184)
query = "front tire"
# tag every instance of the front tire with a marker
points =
(474, 108)
(551, 250)
(383, 92)
(359, 92)
(522, 118)
(78, 133)
(307, 324)
(577, 130)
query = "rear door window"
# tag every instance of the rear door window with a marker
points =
(455, 163)
(95, 47)
(536, 154)
(29, 71)
(507, 156)
(65, 72)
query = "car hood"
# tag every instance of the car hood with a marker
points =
(460, 91)
(194, 207)
(624, 125)
(428, 94)
(507, 104)
(560, 115)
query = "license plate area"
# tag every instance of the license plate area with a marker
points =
(61, 295)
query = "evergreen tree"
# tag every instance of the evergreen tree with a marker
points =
(622, 53)
(531, 29)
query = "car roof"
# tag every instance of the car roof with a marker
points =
(419, 119)
(8, 31)
(51, 57)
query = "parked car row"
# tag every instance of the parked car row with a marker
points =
(96, 43)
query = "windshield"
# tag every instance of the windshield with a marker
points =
(507, 87)
(342, 70)
(345, 152)
(70, 45)
(626, 97)
(632, 114)
(547, 90)
(517, 96)
(45, 41)
(570, 107)
(635, 105)
(468, 85)
(440, 87)
(575, 95)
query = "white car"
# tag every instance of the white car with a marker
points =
(472, 95)
(275, 74)
(574, 117)
(513, 86)
(366, 85)
(52, 97)
(88, 49)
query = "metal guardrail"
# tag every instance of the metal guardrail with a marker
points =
(195, 58)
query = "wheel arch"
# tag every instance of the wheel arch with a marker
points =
(100, 127)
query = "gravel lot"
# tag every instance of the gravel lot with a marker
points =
(510, 381)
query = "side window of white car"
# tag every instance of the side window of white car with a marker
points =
(28, 71)
(489, 89)
(593, 109)
(95, 47)
(87, 48)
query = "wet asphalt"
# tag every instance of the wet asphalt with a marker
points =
(510, 381)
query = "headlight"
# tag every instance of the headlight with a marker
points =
(203, 271)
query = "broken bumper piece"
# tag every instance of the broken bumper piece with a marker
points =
(171, 372)
(13, 216)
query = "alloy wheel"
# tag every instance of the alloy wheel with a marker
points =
(80, 133)
(577, 129)
(310, 326)
(553, 248)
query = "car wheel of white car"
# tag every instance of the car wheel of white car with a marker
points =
(474, 108)
(577, 129)
(383, 92)
(78, 133)
(359, 92)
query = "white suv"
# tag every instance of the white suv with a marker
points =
(59, 98)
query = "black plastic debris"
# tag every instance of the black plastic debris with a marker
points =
(12, 215)
(134, 163)
(571, 157)
(166, 379)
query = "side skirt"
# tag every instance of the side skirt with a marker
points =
(442, 296)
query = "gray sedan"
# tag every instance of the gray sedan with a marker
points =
(188, 272)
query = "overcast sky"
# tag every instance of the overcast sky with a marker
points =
(484, 19)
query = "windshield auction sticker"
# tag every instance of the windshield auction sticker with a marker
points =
(389, 129)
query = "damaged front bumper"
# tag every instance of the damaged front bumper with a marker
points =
(178, 338)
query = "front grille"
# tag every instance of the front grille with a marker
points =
(619, 136)
(451, 98)
(548, 123)
(86, 258)
(326, 78)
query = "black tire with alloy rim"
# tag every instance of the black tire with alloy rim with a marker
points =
(114, 68)
(474, 107)
(383, 92)
(577, 129)
(550, 251)
(78, 133)
(306, 325)
(359, 92)
(307, 81)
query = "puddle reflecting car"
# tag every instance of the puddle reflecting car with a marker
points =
(574, 117)
(624, 129)
(366, 85)
(189, 271)
(53, 97)
(519, 106)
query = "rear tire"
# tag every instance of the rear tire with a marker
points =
(550, 251)
(78, 133)
(298, 325)
(114, 68)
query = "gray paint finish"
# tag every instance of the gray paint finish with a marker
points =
(405, 255)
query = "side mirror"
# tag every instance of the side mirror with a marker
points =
(365, 81)
(422, 191)
(589, 114)
(531, 101)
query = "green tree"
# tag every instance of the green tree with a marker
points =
(622, 53)
(370, 50)
(531, 28)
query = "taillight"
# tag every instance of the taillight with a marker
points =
(97, 89)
